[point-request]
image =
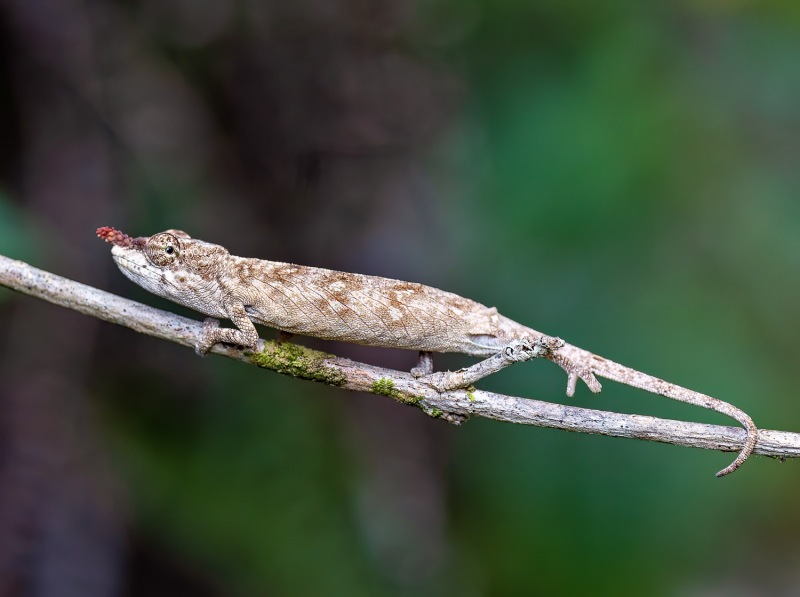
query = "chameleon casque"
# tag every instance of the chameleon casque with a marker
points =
(368, 310)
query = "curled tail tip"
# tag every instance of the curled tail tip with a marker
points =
(740, 459)
(746, 451)
(729, 469)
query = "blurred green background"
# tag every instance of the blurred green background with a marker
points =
(622, 175)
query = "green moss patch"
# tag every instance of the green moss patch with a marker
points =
(385, 387)
(297, 361)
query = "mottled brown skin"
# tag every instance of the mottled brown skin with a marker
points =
(310, 301)
(368, 310)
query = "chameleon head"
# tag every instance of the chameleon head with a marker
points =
(170, 264)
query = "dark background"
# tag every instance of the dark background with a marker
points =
(622, 175)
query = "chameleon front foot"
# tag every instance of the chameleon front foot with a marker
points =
(213, 334)
(208, 337)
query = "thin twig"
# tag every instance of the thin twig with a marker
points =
(305, 363)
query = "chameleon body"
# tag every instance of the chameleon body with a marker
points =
(368, 310)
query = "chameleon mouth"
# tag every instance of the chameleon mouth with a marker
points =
(119, 238)
(135, 267)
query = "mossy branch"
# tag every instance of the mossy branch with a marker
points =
(305, 363)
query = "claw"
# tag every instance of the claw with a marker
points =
(575, 372)
(591, 381)
(572, 381)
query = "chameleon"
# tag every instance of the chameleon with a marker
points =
(361, 309)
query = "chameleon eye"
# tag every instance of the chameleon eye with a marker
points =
(162, 249)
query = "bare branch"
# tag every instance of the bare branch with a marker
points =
(304, 363)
